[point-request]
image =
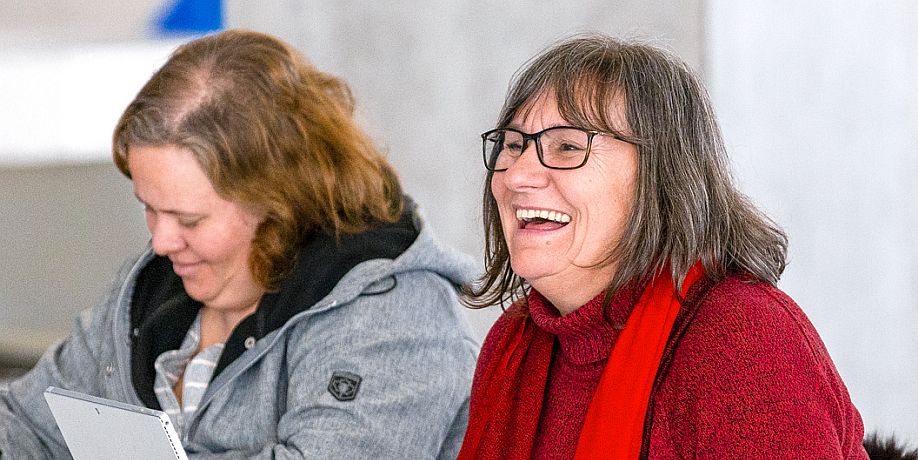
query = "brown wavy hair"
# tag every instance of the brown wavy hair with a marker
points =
(273, 134)
(686, 207)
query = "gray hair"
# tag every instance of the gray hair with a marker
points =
(686, 207)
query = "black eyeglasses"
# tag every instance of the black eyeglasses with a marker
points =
(558, 147)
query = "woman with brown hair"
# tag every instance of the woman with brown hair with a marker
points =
(644, 321)
(291, 303)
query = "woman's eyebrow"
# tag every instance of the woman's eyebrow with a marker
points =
(174, 212)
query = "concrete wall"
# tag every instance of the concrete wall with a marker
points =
(65, 230)
(820, 110)
(65, 22)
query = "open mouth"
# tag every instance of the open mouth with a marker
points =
(541, 219)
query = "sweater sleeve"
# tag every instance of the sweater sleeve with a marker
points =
(27, 428)
(752, 379)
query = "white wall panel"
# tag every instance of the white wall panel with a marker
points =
(820, 110)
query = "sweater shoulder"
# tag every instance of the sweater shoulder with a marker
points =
(751, 374)
(756, 317)
(747, 328)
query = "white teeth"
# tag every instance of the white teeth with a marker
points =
(554, 216)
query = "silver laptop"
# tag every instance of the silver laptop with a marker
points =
(101, 429)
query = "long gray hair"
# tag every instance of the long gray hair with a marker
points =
(686, 207)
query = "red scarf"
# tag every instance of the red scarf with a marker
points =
(507, 396)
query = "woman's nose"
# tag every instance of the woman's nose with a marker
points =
(166, 237)
(527, 170)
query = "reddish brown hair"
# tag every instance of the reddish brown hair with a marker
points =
(273, 134)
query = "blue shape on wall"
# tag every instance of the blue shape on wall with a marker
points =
(191, 17)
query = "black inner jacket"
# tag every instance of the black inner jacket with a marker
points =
(162, 312)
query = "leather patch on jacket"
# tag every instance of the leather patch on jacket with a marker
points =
(344, 385)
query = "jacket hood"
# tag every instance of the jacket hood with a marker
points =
(320, 265)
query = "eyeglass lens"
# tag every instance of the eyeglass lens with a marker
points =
(559, 147)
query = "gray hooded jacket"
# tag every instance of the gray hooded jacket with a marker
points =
(393, 326)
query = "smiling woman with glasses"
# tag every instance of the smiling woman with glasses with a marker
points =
(642, 315)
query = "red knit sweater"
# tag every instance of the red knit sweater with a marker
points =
(584, 340)
(749, 379)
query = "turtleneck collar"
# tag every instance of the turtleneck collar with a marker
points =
(587, 334)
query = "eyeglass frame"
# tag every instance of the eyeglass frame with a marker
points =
(535, 138)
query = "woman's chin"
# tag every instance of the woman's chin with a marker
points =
(195, 290)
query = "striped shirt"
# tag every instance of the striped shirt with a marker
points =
(195, 371)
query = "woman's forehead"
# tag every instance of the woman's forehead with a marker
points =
(602, 109)
(542, 107)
